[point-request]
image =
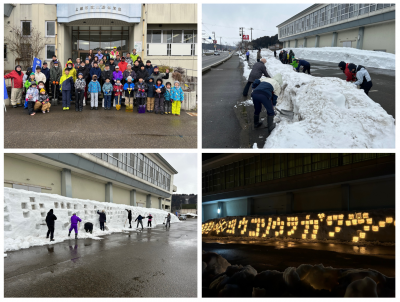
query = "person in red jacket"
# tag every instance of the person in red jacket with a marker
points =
(122, 65)
(345, 68)
(118, 88)
(17, 85)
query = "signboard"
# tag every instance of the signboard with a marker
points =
(245, 37)
(215, 41)
(138, 46)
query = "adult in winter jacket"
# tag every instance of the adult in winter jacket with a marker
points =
(39, 76)
(80, 85)
(266, 92)
(168, 218)
(117, 74)
(350, 77)
(159, 91)
(17, 85)
(53, 61)
(46, 72)
(291, 56)
(248, 55)
(134, 55)
(99, 55)
(122, 65)
(75, 220)
(102, 65)
(149, 67)
(150, 95)
(106, 57)
(114, 53)
(129, 72)
(139, 59)
(72, 70)
(102, 219)
(306, 66)
(156, 75)
(66, 85)
(136, 66)
(257, 71)
(275, 53)
(107, 73)
(139, 221)
(149, 217)
(128, 59)
(363, 77)
(142, 73)
(95, 70)
(55, 76)
(129, 217)
(50, 218)
(112, 64)
(117, 60)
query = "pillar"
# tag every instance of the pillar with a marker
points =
(250, 206)
(148, 201)
(295, 43)
(345, 197)
(160, 203)
(109, 192)
(334, 39)
(360, 38)
(66, 183)
(316, 41)
(289, 202)
(305, 42)
(132, 201)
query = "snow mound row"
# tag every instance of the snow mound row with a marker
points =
(25, 213)
(367, 58)
(329, 113)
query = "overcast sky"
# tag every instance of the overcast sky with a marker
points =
(225, 19)
(186, 165)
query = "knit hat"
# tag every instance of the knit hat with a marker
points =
(116, 67)
(44, 63)
(148, 61)
(129, 78)
(176, 82)
(33, 83)
(32, 73)
(42, 90)
(80, 74)
(155, 67)
(123, 57)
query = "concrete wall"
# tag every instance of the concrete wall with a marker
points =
(84, 188)
(324, 199)
(121, 196)
(271, 204)
(324, 40)
(141, 198)
(348, 35)
(210, 211)
(374, 39)
(172, 13)
(21, 170)
(236, 207)
(365, 196)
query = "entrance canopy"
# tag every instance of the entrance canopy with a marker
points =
(126, 13)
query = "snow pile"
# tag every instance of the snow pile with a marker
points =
(367, 58)
(304, 281)
(329, 113)
(25, 213)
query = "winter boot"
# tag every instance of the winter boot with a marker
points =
(76, 236)
(76, 105)
(257, 122)
(69, 234)
(271, 124)
(51, 239)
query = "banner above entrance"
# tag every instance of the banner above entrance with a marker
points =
(130, 13)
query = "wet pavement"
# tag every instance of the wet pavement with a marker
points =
(278, 255)
(98, 129)
(209, 60)
(153, 263)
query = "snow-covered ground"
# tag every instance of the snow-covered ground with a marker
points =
(329, 112)
(367, 58)
(25, 213)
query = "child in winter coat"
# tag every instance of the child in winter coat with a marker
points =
(177, 97)
(118, 88)
(167, 98)
(128, 87)
(141, 89)
(66, 85)
(107, 89)
(150, 95)
(159, 91)
(80, 86)
(72, 70)
(117, 74)
(27, 84)
(94, 89)
(44, 100)
(32, 96)
(38, 104)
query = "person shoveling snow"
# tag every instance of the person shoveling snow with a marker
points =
(75, 222)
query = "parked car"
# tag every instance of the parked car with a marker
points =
(182, 217)
(216, 53)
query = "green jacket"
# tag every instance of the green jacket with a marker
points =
(28, 83)
(295, 63)
(55, 74)
(134, 57)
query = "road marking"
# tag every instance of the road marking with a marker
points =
(373, 90)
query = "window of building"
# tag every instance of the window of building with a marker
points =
(177, 36)
(26, 28)
(50, 51)
(50, 28)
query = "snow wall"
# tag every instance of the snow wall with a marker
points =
(329, 112)
(356, 227)
(25, 213)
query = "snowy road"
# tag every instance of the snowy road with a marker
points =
(152, 263)
(280, 255)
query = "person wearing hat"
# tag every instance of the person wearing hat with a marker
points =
(16, 77)
(117, 74)
(118, 88)
(364, 80)
(129, 72)
(55, 76)
(114, 53)
(53, 61)
(99, 55)
(350, 77)
(32, 96)
(66, 85)
(136, 66)
(134, 55)
(149, 67)
(94, 89)
(39, 76)
(257, 71)
(139, 59)
(107, 90)
(306, 66)
(95, 70)
(122, 65)
(150, 95)
(141, 94)
(112, 64)
(129, 87)
(46, 72)
(107, 73)
(72, 70)
(157, 75)
(128, 59)
(44, 101)
(142, 73)
(177, 97)
(80, 86)
(265, 93)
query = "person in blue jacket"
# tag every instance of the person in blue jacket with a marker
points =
(248, 55)
(95, 70)
(129, 87)
(46, 72)
(306, 66)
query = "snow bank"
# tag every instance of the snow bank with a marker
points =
(376, 227)
(367, 58)
(329, 112)
(25, 213)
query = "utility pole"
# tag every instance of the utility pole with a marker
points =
(220, 43)
(251, 32)
(215, 45)
(241, 45)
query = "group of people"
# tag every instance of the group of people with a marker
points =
(102, 75)
(75, 222)
(357, 75)
(288, 57)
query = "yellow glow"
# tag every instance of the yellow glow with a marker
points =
(361, 221)
(331, 234)
(305, 231)
(382, 224)
(282, 223)
(316, 227)
(340, 222)
(281, 227)
(259, 220)
(258, 225)
(329, 222)
(369, 221)
(355, 239)
(334, 217)
(276, 234)
(329, 218)
(242, 232)
(365, 215)
(289, 233)
(362, 235)
(351, 216)
(341, 217)
(268, 228)
(313, 236)
(321, 219)
(315, 221)
(273, 222)
(366, 228)
(263, 225)
(389, 219)
(358, 215)
(337, 229)
(303, 222)
(263, 220)
(288, 224)
(304, 236)
(297, 223)
(267, 232)
(308, 216)
(281, 232)
(278, 219)
(295, 228)
(354, 222)
(315, 231)
(375, 228)
(311, 221)
(273, 227)
(258, 229)
(270, 219)
(307, 222)
(296, 218)
(307, 227)
(252, 221)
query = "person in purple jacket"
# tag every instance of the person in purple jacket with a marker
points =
(117, 74)
(74, 225)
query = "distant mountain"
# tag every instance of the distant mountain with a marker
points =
(178, 199)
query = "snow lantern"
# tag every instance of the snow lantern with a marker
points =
(366, 228)
(313, 236)
(269, 219)
(296, 218)
(273, 222)
(389, 219)
(307, 222)
(329, 218)
(365, 215)
(311, 222)
(307, 227)
(354, 222)
(303, 222)
(331, 234)
(361, 221)
(375, 228)
(276, 234)
(341, 217)
(278, 219)
(355, 239)
(305, 231)
(281, 227)
(340, 222)
(351, 216)
(362, 235)
(382, 224)
(358, 215)
(315, 231)
(316, 227)
(369, 221)
(273, 227)
(289, 233)
(304, 236)
(308, 216)
(315, 221)
(329, 222)
(282, 222)
(334, 217)
(337, 229)
(281, 232)
(295, 228)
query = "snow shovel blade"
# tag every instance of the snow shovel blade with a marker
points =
(286, 113)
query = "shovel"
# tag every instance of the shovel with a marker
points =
(286, 113)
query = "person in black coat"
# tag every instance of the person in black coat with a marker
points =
(139, 220)
(142, 73)
(275, 53)
(129, 217)
(112, 64)
(50, 218)
(102, 219)
(257, 71)
(88, 227)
